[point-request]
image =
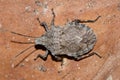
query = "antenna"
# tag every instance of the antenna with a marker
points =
(24, 50)
(24, 58)
(17, 33)
(22, 34)
(22, 42)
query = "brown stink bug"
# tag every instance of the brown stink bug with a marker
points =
(74, 40)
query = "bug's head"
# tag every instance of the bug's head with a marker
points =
(41, 41)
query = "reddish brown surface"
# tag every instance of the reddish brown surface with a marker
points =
(20, 16)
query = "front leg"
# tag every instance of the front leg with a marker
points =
(53, 19)
(43, 24)
(44, 57)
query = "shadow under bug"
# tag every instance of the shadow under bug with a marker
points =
(74, 40)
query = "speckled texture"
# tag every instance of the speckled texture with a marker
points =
(72, 40)
(20, 16)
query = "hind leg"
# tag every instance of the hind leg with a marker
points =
(86, 21)
(88, 55)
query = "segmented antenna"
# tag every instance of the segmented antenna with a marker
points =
(22, 42)
(24, 50)
(24, 58)
(22, 34)
(17, 33)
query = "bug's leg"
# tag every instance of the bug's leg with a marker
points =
(53, 19)
(88, 55)
(86, 21)
(44, 24)
(63, 64)
(44, 57)
(58, 58)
